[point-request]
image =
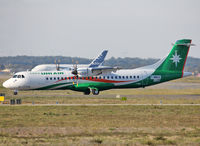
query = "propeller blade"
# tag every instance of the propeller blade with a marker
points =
(75, 68)
(56, 64)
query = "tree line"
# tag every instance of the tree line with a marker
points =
(21, 63)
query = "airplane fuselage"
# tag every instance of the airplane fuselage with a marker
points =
(63, 80)
(98, 79)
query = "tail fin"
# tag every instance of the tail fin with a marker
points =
(176, 59)
(99, 60)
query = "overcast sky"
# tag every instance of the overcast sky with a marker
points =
(83, 28)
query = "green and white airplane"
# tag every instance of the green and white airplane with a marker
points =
(169, 68)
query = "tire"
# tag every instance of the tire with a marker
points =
(87, 92)
(95, 91)
(15, 92)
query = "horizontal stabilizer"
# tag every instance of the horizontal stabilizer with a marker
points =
(184, 44)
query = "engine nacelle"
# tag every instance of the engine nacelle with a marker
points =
(85, 72)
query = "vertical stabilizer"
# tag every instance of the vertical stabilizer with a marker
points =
(176, 59)
(99, 60)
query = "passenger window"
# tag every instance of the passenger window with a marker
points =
(61, 78)
(107, 77)
(19, 76)
(115, 77)
(119, 77)
(15, 76)
(130, 77)
(58, 78)
(104, 77)
(23, 76)
(134, 77)
(65, 78)
(138, 77)
(47, 78)
(111, 77)
(99, 77)
(50, 78)
(122, 77)
(54, 78)
(127, 77)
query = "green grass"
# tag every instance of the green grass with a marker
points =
(97, 125)
(106, 125)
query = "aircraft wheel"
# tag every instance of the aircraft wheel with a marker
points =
(95, 91)
(15, 92)
(87, 92)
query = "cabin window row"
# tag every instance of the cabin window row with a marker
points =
(100, 77)
(121, 77)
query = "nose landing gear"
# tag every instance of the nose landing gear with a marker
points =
(15, 92)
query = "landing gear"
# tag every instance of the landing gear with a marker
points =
(95, 91)
(15, 92)
(87, 92)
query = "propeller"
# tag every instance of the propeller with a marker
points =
(75, 71)
(75, 68)
(57, 63)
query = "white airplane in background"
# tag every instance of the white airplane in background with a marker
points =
(98, 61)
(169, 68)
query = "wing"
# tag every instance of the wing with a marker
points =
(104, 70)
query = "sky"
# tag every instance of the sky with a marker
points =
(83, 28)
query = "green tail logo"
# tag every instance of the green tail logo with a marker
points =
(176, 59)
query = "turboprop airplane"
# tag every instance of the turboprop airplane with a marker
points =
(98, 61)
(169, 68)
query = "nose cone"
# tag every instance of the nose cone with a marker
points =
(5, 84)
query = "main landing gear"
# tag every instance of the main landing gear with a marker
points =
(94, 91)
(87, 92)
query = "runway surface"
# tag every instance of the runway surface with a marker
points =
(101, 105)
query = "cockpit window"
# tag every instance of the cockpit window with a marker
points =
(18, 76)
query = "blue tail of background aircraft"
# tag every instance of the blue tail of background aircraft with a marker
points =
(99, 60)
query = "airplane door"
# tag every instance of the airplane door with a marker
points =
(144, 79)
